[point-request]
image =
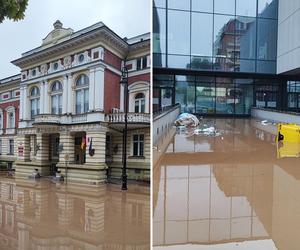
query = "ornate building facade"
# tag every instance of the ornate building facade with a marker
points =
(71, 113)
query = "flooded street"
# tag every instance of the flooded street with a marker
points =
(237, 190)
(44, 215)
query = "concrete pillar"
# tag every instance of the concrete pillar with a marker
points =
(42, 155)
(32, 147)
(65, 205)
(65, 95)
(98, 139)
(23, 237)
(94, 216)
(68, 142)
(23, 148)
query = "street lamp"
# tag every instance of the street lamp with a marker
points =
(124, 82)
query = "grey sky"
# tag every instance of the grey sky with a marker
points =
(127, 18)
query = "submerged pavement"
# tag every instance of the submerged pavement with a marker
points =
(45, 215)
(237, 190)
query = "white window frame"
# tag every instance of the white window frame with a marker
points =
(81, 88)
(140, 105)
(10, 111)
(58, 94)
(139, 141)
(34, 98)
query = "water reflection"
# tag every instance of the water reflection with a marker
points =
(45, 216)
(211, 190)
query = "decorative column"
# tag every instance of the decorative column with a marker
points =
(26, 104)
(99, 89)
(42, 154)
(21, 112)
(42, 97)
(92, 89)
(70, 101)
(65, 95)
(147, 101)
(46, 98)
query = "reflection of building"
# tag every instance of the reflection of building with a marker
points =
(226, 190)
(42, 216)
(71, 105)
(236, 46)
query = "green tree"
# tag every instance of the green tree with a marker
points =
(12, 9)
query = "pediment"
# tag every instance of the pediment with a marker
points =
(57, 34)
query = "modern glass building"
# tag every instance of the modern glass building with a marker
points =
(218, 57)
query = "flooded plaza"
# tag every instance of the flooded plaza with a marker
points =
(45, 215)
(236, 190)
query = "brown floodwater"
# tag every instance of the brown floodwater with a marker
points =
(237, 190)
(41, 215)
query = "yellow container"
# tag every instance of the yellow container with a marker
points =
(289, 133)
(288, 149)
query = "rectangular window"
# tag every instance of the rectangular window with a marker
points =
(78, 101)
(86, 100)
(138, 145)
(11, 147)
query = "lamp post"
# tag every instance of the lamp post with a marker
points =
(124, 82)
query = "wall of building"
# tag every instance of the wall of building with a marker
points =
(288, 52)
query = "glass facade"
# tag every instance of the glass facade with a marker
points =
(216, 35)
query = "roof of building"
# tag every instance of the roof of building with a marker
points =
(10, 79)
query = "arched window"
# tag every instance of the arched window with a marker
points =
(35, 101)
(82, 94)
(56, 98)
(139, 103)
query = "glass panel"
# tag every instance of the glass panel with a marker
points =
(272, 100)
(205, 96)
(202, 5)
(267, 39)
(203, 63)
(135, 148)
(159, 31)
(224, 27)
(86, 100)
(224, 96)
(60, 104)
(225, 6)
(243, 96)
(78, 101)
(202, 24)
(266, 67)
(166, 97)
(178, 32)
(178, 61)
(298, 101)
(268, 8)
(159, 60)
(160, 3)
(245, 42)
(136, 106)
(179, 4)
(185, 95)
(292, 100)
(244, 65)
(246, 8)
(54, 104)
(260, 101)
(143, 106)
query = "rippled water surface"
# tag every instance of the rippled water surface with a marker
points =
(237, 190)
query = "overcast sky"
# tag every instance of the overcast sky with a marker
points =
(127, 18)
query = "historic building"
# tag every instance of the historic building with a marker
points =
(72, 105)
(9, 118)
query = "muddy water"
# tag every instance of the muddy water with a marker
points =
(239, 190)
(42, 215)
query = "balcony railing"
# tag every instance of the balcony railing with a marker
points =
(131, 118)
(47, 118)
